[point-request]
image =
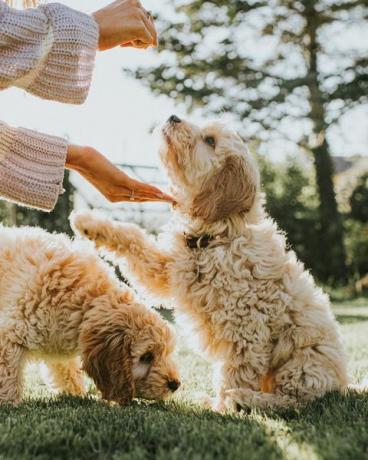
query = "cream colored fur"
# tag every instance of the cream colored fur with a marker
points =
(257, 312)
(58, 300)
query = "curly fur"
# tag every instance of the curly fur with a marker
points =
(257, 312)
(58, 300)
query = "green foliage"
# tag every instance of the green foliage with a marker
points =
(356, 241)
(254, 59)
(359, 200)
(291, 200)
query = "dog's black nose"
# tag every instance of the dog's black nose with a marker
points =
(173, 385)
(174, 119)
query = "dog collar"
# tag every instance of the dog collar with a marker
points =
(198, 242)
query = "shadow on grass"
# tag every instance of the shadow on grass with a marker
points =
(334, 427)
(84, 428)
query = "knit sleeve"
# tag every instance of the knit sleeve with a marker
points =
(49, 51)
(31, 167)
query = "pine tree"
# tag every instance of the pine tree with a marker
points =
(277, 67)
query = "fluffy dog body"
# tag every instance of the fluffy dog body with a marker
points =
(59, 301)
(257, 312)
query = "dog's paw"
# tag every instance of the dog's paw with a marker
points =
(130, 233)
(87, 224)
(106, 233)
(209, 403)
(204, 400)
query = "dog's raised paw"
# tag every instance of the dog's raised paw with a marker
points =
(86, 224)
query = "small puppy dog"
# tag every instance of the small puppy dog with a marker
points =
(257, 311)
(59, 301)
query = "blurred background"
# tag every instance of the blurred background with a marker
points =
(290, 76)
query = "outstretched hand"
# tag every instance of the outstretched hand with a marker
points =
(108, 179)
(125, 23)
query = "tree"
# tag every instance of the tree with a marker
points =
(273, 65)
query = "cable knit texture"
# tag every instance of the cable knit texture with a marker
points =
(49, 51)
(31, 167)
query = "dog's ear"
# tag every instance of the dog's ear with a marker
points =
(106, 355)
(230, 191)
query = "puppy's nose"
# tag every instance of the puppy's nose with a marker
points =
(174, 119)
(173, 385)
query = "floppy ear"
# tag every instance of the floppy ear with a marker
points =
(230, 191)
(106, 354)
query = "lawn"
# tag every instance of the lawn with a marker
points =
(46, 426)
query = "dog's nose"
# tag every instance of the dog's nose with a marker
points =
(173, 385)
(174, 119)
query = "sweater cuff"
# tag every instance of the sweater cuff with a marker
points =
(31, 167)
(64, 72)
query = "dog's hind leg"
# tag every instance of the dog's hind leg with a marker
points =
(309, 374)
(11, 370)
(67, 376)
(146, 262)
(240, 398)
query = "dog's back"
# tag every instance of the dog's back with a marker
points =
(45, 278)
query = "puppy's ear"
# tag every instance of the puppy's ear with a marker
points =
(230, 191)
(106, 355)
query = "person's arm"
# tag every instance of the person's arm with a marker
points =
(31, 167)
(49, 51)
(109, 180)
(32, 170)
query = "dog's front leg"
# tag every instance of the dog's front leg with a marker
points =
(146, 262)
(11, 355)
(67, 376)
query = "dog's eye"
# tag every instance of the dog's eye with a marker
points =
(146, 358)
(210, 140)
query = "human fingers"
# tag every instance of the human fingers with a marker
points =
(135, 44)
(144, 190)
(150, 25)
(143, 196)
(136, 197)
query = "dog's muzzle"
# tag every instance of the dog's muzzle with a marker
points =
(174, 119)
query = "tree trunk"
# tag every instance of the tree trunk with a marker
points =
(331, 237)
(331, 231)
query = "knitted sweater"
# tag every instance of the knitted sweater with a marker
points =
(49, 51)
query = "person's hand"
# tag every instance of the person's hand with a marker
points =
(125, 23)
(113, 183)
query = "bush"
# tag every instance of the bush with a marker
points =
(292, 201)
(359, 200)
(356, 241)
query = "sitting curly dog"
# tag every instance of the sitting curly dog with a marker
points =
(257, 311)
(58, 301)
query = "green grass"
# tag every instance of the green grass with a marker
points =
(46, 426)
